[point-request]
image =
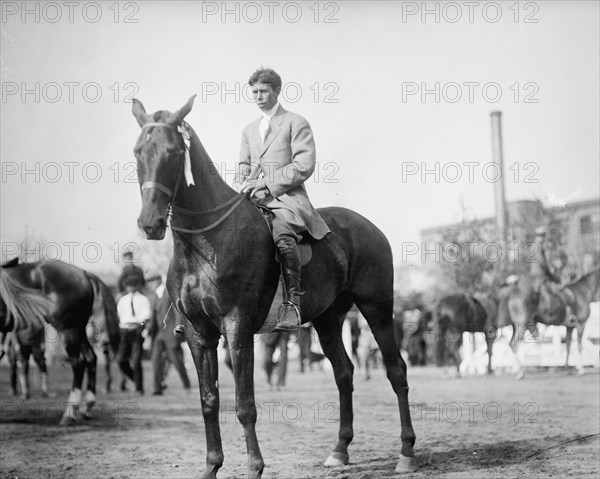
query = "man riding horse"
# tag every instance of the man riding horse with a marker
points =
(277, 156)
(547, 282)
(541, 269)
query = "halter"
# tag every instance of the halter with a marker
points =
(234, 202)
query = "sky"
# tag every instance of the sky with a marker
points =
(398, 94)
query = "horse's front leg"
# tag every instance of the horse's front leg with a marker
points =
(241, 346)
(204, 353)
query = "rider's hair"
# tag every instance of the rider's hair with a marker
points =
(266, 76)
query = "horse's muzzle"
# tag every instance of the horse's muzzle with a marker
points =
(153, 230)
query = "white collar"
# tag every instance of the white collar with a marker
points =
(271, 113)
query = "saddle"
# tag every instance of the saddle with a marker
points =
(304, 246)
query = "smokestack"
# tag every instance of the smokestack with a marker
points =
(499, 195)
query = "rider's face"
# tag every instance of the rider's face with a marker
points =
(265, 96)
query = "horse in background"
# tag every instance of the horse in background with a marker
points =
(524, 307)
(414, 331)
(20, 346)
(223, 277)
(64, 296)
(580, 294)
(459, 313)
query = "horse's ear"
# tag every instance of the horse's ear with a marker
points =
(177, 117)
(139, 112)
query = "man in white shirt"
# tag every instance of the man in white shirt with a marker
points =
(134, 310)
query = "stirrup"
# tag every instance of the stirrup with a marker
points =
(284, 323)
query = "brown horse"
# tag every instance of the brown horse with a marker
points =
(570, 307)
(223, 277)
(65, 296)
(583, 292)
(459, 313)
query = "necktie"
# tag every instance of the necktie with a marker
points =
(263, 128)
(132, 308)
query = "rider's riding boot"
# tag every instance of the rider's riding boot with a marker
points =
(288, 318)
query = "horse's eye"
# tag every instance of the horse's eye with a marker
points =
(173, 154)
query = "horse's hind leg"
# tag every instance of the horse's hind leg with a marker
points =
(90, 366)
(23, 354)
(12, 361)
(72, 341)
(40, 360)
(490, 337)
(453, 339)
(579, 364)
(379, 316)
(329, 329)
(107, 370)
(568, 339)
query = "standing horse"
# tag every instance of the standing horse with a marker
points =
(20, 346)
(223, 277)
(582, 293)
(523, 307)
(65, 296)
(459, 313)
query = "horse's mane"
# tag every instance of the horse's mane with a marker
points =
(28, 306)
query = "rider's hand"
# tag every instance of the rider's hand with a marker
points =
(251, 187)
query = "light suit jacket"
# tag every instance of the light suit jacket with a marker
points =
(287, 160)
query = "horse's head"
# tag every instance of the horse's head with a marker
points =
(160, 152)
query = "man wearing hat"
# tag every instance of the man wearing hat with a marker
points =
(277, 156)
(132, 275)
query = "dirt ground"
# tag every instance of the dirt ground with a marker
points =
(470, 427)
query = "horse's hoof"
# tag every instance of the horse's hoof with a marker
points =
(580, 371)
(520, 375)
(406, 464)
(45, 394)
(67, 421)
(337, 459)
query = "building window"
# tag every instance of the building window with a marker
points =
(585, 225)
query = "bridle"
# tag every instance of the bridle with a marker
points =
(159, 186)
(234, 201)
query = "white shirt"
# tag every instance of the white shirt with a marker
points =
(263, 126)
(141, 306)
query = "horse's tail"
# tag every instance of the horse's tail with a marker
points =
(105, 308)
(28, 307)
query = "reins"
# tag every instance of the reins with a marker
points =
(235, 201)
